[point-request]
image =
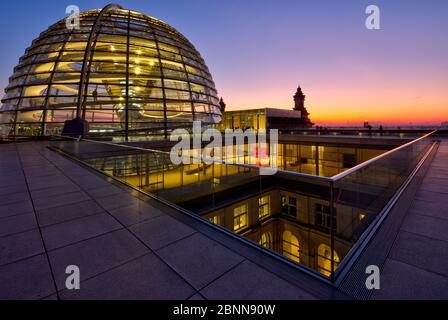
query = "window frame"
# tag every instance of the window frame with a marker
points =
(288, 206)
(323, 218)
(262, 206)
(237, 218)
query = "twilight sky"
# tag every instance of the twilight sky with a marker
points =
(258, 51)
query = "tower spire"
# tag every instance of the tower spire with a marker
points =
(222, 105)
(299, 105)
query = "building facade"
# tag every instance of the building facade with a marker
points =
(269, 118)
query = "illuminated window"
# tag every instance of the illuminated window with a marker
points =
(266, 240)
(289, 206)
(324, 260)
(291, 247)
(215, 220)
(240, 217)
(264, 208)
(323, 214)
(362, 216)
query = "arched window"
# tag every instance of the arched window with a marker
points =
(324, 260)
(266, 240)
(291, 247)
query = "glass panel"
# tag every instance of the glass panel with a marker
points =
(291, 214)
(361, 195)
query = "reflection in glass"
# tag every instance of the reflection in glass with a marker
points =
(143, 76)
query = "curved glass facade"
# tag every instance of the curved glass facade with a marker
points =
(142, 78)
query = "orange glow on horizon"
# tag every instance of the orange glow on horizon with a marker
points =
(352, 115)
(342, 106)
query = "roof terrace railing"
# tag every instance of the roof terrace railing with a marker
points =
(344, 211)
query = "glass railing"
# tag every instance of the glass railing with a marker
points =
(361, 132)
(370, 187)
(312, 222)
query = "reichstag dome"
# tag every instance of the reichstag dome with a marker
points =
(121, 71)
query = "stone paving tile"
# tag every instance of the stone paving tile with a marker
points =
(136, 213)
(109, 190)
(403, 281)
(431, 196)
(39, 172)
(17, 223)
(54, 191)
(435, 185)
(437, 172)
(20, 246)
(48, 182)
(90, 182)
(146, 278)
(96, 255)
(12, 180)
(249, 282)
(426, 226)
(439, 160)
(45, 202)
(439, 165)
(13, 189)
(14, 198)
(27, 279)
(422, 252)
(199, 259)
(116, 201)
(17, 208)
(427, 208)
(161, 231)
(62, 234)
(68, 212)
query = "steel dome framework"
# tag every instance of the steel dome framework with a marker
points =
(122, 71)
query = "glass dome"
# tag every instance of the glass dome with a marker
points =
(122, 71)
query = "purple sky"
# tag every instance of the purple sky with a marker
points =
(259, 51)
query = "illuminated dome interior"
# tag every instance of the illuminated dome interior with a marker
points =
(141, 77)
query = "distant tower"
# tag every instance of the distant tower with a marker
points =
(299, 100)
(299, 105)
(222, 105)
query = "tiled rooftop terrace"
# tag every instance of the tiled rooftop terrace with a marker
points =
(55, 212)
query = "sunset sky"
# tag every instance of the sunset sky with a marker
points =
(259, 51)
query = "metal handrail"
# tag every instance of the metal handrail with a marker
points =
(381, 156)
(334, 178)
(87, 62)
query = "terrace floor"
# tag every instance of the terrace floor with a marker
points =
(55, 213)
(417, 265)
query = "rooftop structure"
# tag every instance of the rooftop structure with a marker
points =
(299, 105)
(122, 71)
(52, 209)
(140, 226)
(270, 118)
